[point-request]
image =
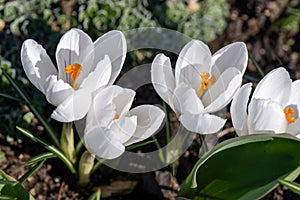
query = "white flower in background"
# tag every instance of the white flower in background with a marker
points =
(83, 67)
(203, 83)
(274, 106)
(110, 125)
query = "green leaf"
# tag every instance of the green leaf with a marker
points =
(31, 171)
(11, 97)
(11, 189)
(295, 187)
(258, 67)
(96, 195)
(38, 115)
(39, 158)
(246, 167)
(140, 144)
(2, 156)
(49, 147)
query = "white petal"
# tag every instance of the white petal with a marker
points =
(99, 77)
(202, 123)
(75, 107)
(295, 94)
(37, 64)
(74, 47)
(190, 75)
(102, 142)
(276, 85)
(266, 115)
(123, 101)
(121, 98)
(221, 93)
(100, 114)
(194, 53)
(124, 128)
(114, 45)
(149, 120)
(57, 91)
(233, 55)
(294, 128)
(186, 100)
(162, 78)
(238, 109)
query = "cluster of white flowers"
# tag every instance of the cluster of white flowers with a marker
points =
(203, 84)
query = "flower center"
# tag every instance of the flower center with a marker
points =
(207, 81)
(74, 71)
(289, 114)
(117, 116)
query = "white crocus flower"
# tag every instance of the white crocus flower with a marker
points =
(203, 83)
(110, 125)
(83, 67)
(274, 106)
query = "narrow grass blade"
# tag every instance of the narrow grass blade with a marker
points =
(258, 67)
(38, 115)
(294, 187)
(11, 97)
(31, 171)
(39, 158)
(49, 147)
(140, 144)
(96, 195)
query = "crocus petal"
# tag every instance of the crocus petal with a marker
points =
(202, 123)
(74, 107)
(194, 53)
(221, 93)
(37, 64)
(276, 85)
(162, 78)
(238, 109)
(295, 94)
(186, 100)
(101, 115)
(74, 47)
(190, 75)
(102, 142)
(149, 120)
(120, 97)
(266, 115)
(294, 128)
(233, 55)
(124, 128)
(114, 45)
(99, 77)
(57, 91)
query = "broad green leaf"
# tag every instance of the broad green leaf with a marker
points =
(38, 158)
(33, 109)
(96, 195)
(295, 187)
(2, 156)
(246, 167)
(13, 189)
(49, 147)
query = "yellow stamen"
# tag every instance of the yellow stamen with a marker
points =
(207, 81)
(289, 115)
(117, 116)
(74, 71)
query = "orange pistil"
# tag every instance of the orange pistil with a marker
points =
(74, 71)
(207, 81)
(117, 116)
(289, 115)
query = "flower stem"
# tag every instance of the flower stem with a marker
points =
(67, 141)
(86, 165)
